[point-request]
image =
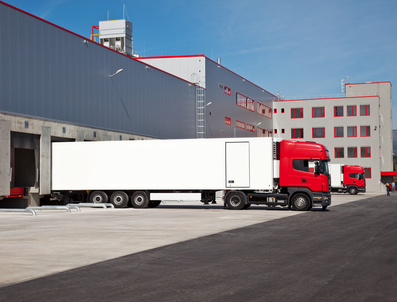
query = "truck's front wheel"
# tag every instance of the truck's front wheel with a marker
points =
(353, 191)
(235, 200)
(300, 202)
(119, 199)
(139, 199)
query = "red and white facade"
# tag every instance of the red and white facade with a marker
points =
(356, 128)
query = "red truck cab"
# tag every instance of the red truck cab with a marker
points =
(296, 176)
(353, 177)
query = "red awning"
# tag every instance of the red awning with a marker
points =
(388, 173)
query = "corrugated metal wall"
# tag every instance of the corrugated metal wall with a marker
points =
(50, 73)
(217, 78)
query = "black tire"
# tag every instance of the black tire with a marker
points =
(353, 191)
(139, 199)
(99, 197)
(154, 203)
(300, 202)
(119, 199)
(235, 200)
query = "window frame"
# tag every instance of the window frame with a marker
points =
(295, 111)
(314, 112)
(354, 131)
(245, 102)
(354, 113)
(367, 131)
(355, 154)
(314, 132)
(367, 173)
(295, 131)
(336, 111)
(367, 110)
(367, 152)
(337, 132)
(337, 152)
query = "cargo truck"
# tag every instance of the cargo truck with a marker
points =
(347, 178)
(263, 171)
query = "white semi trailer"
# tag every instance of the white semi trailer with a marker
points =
(142, 173)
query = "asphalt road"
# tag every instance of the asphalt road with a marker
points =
(347, 253)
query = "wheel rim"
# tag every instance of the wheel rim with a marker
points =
(300, 202)
(235, 201)
(139, 200)
(97, 198)
(118, 200)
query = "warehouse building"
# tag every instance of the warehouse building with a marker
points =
(356, 128)
(56, 85)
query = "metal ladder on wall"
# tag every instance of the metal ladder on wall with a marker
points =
(200, 112)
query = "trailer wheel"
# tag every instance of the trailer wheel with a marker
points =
(99, 197)
(300, 202)
(353, 191)
(154, 203)
(139, 199)
(119, 199)
(235, 200)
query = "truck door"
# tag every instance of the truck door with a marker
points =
(237, 165)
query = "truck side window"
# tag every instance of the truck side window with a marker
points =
(353, 175)
(301, 165)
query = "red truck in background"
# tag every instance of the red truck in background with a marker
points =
(347, 178)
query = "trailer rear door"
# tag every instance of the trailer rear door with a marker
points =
(237, 165)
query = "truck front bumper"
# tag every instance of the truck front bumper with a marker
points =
(321, 199)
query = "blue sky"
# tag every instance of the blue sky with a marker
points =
(297, 48)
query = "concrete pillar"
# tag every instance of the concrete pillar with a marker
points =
(80, 136)
(33, 197)
(5, 157)
(45, 161)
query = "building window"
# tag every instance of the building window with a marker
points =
(296, 112)
(367, 173)
(339, 152)
(250, 128)
(297, 133)
(318, 132)
(351, 131)
(364, 109)
(338, 131)
(318, 112)
(282, 110)
(365, 131)
(352, 110)
(283, 131)
(338, 111)
(245, 102)
(275, 131)
(365, 151)
(275, 110)
(264, 110)
(227, 90)
(240, 124)
(351, 151)
(228, 120)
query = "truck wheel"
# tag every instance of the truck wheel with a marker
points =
(139, 199)
(98, 197)
(154, 203)
(235, 200)
(353, 191)
(300, 202)
(119, 199)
